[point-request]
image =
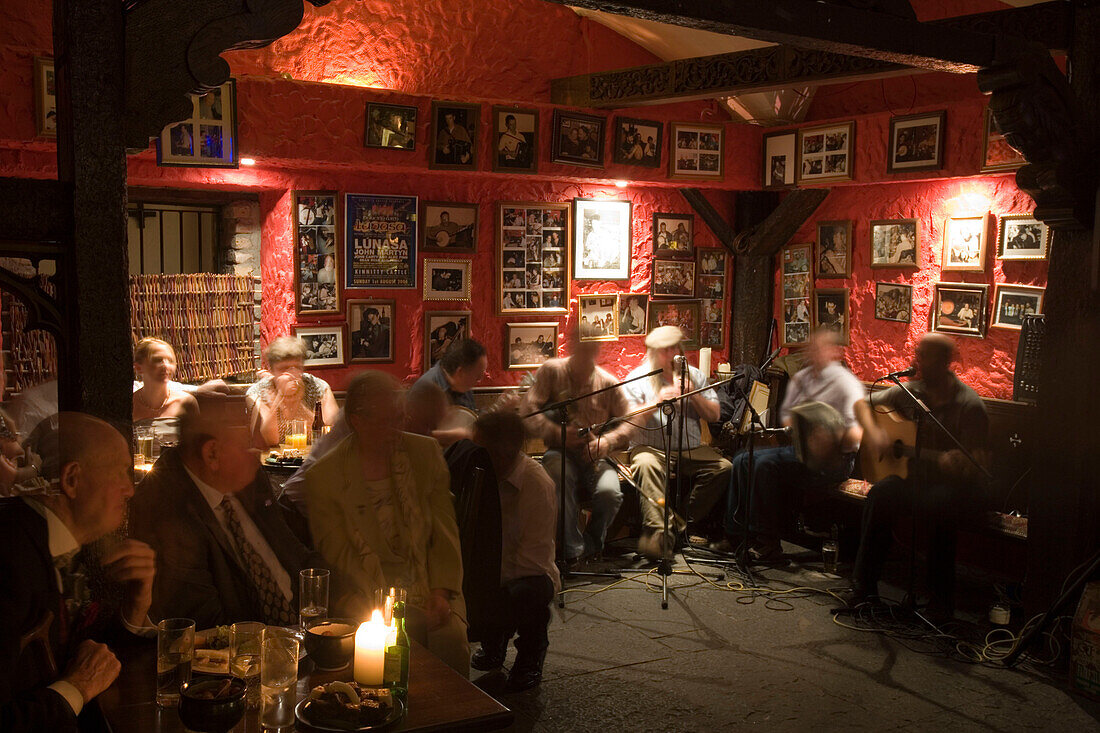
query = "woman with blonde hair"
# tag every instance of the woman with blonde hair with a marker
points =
(155, 366)
(288, 393)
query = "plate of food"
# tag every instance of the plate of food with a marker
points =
(212, 651)
(349, 706)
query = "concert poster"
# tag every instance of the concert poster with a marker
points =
(380, 241)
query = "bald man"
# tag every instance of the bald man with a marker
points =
(44, 547)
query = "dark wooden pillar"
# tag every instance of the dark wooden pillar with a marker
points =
(753, 279)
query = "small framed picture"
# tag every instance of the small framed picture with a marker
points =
(632, 310)
(825, 153)
(637, 142)
(578, 139)
(45, 97)
(455, 133)
(673, 279)
(370, 331)
(964, 241)
(208, 139)
(894, 302)
(601, 238)
(599, 319)
(448, 226)
(1013, 302)
(1022, 237)
(894, 243)
(916, 142)
(797, 290)
(997, 154)
(447, 279)
(831, 311)
(711, 286)
(685, 314)
(959, 308)
(712, 334)
(324, 345)
(834, 249)
(317, 262)
(391, 126)
(441, 329)
(779, 159)
(711, 262)
(515, 140)
(696, 151)
(528, 345)
(713, 310)
(673, 236)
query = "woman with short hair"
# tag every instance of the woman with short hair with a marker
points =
(288, 392)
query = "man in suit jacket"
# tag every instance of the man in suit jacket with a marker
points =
(224, 551)
(43, 629)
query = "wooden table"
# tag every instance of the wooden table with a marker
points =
(439, 698)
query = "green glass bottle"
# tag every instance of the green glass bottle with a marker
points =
(395, 672)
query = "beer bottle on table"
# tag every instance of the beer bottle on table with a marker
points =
(318, 429)
(395, 672)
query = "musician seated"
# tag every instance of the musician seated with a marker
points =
(587, 468)
(702, 465)
(780, 475)
(950, 489)
(458, 371)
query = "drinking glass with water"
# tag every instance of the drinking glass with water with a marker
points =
(312, 597)
(244, 658)
(175, 650)
(278, 677)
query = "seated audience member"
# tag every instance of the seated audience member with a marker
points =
(225, 553)
(380, 512)
(780, 476)
(16, 464)
(528, 575)
(155, 365)
(952, 488)
(289, 393)
(703, 467)
(587, 469)
(457, 373)
(45, 546)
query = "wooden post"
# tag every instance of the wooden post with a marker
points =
(753, 283)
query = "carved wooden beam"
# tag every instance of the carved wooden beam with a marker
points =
(772, 233)
(714, 220)
(35, 210)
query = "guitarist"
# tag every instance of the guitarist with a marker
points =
(952, 486)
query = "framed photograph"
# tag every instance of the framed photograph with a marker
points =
(45, 97)
(1022, 237)
(324, 345)
(894, 302)
(825, 153)
(684, 314)
(601, 237)
(959, 308)
(713, 310)
(515, 140)
(632, 309)
(448, 227)
(370, 331)
(1013, 302)
(379, 241)
(441, 329)
(673, 279)
(997, 154)
(207, 139)
(696, 151)
(317, 264)
(797, 288)
(916, 142)
(391, 126)
(711, 262)
(834, 249)
(712, 335)
(455, 133)
(831, 311)
(533, 252)
(599, 317)
(779, 159)
(637, 142)
(447, 279)
(528, 345)
(964, 240)
(711, 286)
(895, 243)
(673, 236)
(578, 139)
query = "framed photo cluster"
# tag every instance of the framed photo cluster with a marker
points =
(316, 267)
(533, 257)
(609, 316)
(673, 255)
(208, 138)
(711, 266)
(834, 249)
(380, 241)
(696, 151)
(602, 234)
(797, 285)
(825, 153)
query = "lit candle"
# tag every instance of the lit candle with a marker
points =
(370, 650)
(704, 361)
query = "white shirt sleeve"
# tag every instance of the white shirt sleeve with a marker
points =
(71, 695)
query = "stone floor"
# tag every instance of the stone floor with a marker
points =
(714, 660)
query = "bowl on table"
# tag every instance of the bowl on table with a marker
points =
(331, 644)
(212, 704)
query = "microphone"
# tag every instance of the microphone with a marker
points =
(679, 360)
(907, 372)
(772, 431)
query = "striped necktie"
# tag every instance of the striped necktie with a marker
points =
(276, 608)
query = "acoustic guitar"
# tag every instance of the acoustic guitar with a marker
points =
(902, 434)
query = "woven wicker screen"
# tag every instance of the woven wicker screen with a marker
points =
(32, 355)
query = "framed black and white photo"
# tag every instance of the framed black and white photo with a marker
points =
(637, 142)
(673, 236)
(45, 97)
(391, 126)
(1022, 237)
(441, 329)
(528, 345)
(324, 345)
(712, 335)
(696, 150)
(916, 142)
(1012, 302)
(825, 153)
(894, 302)
(632, 314)
(964, 242)
(207, 139)
(797, 291)
(831, 311)
(370, 331)
(448, 226)
(711, 286)
(316, 255)
(834, 249)
(711, 261)
(602, 232)
(447, 279)
(533, 252)
(895, 243)
(673, 279)
(515, 140)
(578, 139)
(598, 317)
(780, 161)
(997, 154)
(455, 129)
(684, 314)
(959, 308)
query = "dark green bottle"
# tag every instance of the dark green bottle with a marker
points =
(395, 672)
